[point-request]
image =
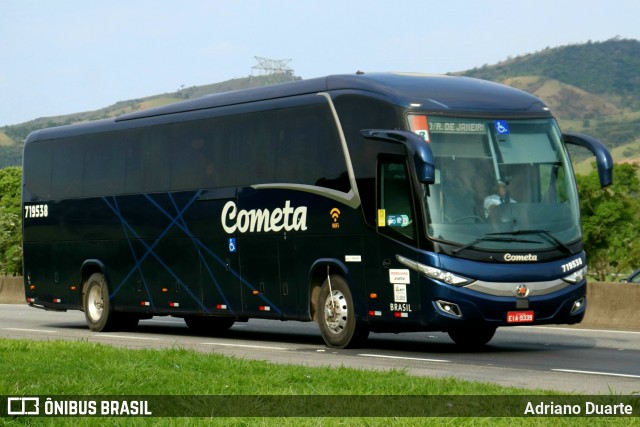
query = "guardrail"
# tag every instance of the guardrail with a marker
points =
(12, 290)
(610, 305)
(613, 305)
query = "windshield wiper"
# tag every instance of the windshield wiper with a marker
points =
(489, 238)
(493, 237)
(544, 233)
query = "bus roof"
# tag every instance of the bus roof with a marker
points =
(432, 92)
(439, 94)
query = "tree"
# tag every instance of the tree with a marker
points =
(10, 221)
(611, 221)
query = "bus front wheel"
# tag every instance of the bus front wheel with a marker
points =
(336, 315)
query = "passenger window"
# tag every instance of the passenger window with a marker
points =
(395, 212)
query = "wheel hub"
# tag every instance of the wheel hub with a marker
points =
(336, 312)
(96, 304)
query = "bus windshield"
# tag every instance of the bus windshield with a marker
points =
(500, 184)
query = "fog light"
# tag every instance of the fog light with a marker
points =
(577, 305)
(449, 308)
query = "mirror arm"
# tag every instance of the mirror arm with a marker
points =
(417, 147)
(604, 161)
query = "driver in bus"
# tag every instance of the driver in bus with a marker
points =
(501, 196)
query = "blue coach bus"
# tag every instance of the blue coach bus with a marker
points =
(365, 202)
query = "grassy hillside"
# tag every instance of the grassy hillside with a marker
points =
(11, 137)
(591, 88)
(608, 69)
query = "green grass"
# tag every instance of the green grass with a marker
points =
(66, 367)
(85, 369)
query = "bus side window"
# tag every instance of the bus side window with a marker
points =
(395, 198)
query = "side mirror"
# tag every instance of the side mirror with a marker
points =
(604, 162)
(417, 147)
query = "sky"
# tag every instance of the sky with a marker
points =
(67, 56)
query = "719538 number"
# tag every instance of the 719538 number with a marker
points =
(571, 265)
(36, 211)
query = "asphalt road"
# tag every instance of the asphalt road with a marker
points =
(569, 360)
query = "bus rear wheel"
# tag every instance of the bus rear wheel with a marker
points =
(97, 307)
(336, 315)
(472, 336)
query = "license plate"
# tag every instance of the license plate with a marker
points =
(519, 316)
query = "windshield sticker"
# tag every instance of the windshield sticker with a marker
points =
(399, 275)
(398, 220)
(420, 126)
(456, 127)
(502, 127)
(424, 134)
(400, 293)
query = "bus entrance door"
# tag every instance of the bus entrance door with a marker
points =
(398, 295)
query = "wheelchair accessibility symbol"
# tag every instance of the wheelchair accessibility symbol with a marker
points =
(502, 127)
(232, 245)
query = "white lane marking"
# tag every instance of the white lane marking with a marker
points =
(575, 329)
(103, 335)
(405, 358)
(30, 330)
(609, 374)
(259, 347)
(181, 322)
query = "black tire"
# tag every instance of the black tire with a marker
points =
(209, 325)
(472, 336)
(336, 315)
(97, 307)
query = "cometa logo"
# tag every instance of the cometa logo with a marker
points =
(335, 214)
(520, 258)
(257, 220)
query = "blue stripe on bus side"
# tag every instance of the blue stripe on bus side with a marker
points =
(179, 222)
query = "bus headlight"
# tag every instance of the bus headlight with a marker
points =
(442, 275)
(434, 273)
(576, 276)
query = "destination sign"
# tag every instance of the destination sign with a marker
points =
(456, 127)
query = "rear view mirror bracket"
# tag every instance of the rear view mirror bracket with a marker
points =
(417, 147)
(604, 161)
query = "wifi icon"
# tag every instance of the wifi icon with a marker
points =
(335, 214)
